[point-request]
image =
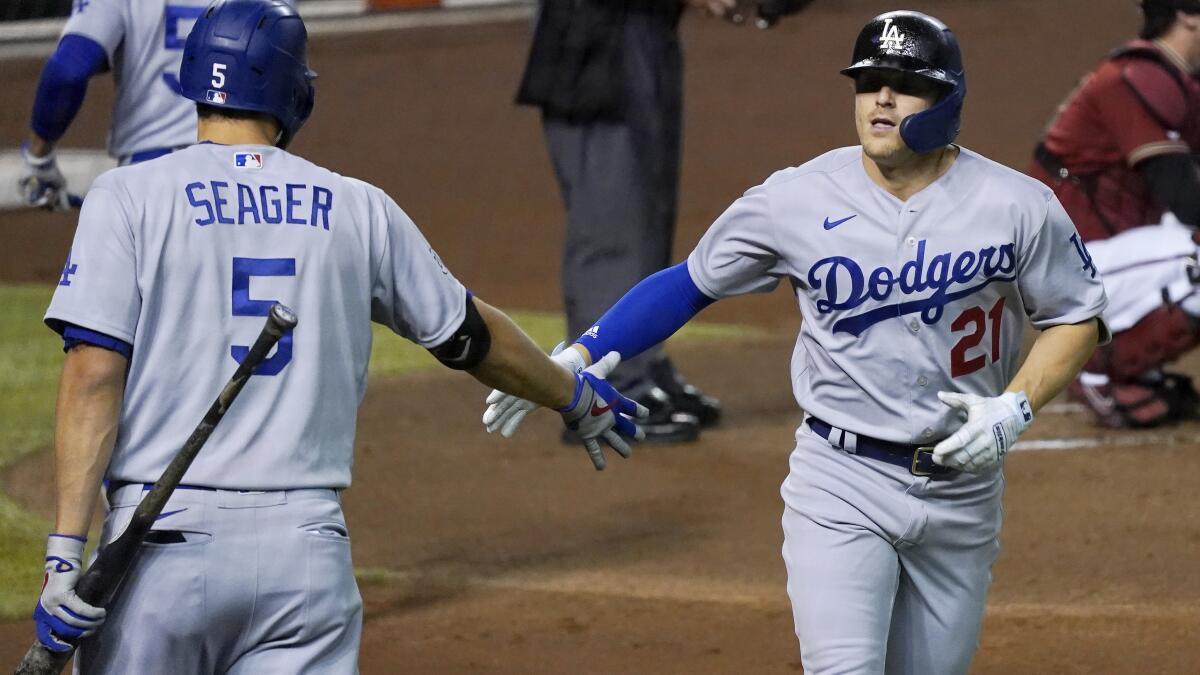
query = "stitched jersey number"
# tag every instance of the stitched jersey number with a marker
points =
(172, 39)
(973, 319)
(243, 305)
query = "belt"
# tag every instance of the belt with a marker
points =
(112, 487)
(918, 459)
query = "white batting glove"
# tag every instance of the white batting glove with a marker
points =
(992, 427)
(62, 617)
(505, 412)
(40, 182)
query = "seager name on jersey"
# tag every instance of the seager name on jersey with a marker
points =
(226, 203)
(847, 287)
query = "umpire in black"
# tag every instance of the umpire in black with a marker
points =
(608, 77)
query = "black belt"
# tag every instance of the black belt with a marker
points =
(918, 459)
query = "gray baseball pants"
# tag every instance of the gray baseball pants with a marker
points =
(887, 572)
(239, 583)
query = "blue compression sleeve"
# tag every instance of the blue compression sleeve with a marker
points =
(648, 314)
(64, 83)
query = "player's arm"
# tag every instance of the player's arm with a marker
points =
(1056, 357)
(513, 362)
(652, 311)
(90, 393)
(60, 94)
(1063, 296)
(737, 255)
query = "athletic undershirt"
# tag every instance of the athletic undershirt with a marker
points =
(64, 83)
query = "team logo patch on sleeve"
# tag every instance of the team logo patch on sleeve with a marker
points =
(214, 96)
(248, 160)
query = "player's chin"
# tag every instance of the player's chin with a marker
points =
(882, 149)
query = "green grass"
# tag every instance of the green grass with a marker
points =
(30, 360)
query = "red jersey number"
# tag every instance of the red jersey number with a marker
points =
(977, 325)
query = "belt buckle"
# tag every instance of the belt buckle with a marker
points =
(916, 461)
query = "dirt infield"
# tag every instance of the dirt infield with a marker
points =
(483, 556)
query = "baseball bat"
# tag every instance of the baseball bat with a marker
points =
(99, 584)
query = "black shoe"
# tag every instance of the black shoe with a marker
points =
(666, 423)
(686, 397)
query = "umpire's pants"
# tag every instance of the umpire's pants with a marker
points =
(619, 182)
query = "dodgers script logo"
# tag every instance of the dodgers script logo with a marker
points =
(942, 279)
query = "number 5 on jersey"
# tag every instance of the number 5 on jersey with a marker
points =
(243, 305)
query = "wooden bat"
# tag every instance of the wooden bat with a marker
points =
(100, 583)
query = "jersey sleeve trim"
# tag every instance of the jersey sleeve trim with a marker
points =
(59, 322)
(1144, 152)
(75, 335)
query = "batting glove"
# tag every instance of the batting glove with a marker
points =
(61, 616)
(505, 412)
(41, 184)
(598, 411)
(992, 427)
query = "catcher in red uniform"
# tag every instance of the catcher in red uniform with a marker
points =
(1121, 156)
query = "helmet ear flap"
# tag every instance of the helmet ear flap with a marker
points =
(936, 127)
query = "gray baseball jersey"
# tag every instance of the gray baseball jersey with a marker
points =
(144, 43)
(182, 256)
(902, 299)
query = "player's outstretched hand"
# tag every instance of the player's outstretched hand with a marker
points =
(597, 412)
(505, 412)
(41, 184)
(992, 427)
(62, 617)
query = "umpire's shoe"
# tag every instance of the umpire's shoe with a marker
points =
(666, 423)
(685, 396)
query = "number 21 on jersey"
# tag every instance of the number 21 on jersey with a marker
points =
(978, 325)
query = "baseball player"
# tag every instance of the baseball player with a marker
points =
(915, 263)
(141, 42)
(1120, 154)
(174, 264)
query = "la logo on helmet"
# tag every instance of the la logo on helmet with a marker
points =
(892, 38)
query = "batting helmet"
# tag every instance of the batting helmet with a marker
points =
(916, 43)
(250, 55)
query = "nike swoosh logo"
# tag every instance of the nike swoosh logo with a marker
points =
(168, 514)
(830, 224)
(598, 410)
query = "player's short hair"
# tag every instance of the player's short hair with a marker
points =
(205, 111)
(1157, 20)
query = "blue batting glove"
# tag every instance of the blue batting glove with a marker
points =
(598, 411)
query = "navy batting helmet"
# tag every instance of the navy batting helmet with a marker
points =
(250, 55)
(916, 43)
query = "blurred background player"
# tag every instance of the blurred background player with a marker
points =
(1120, 155)
(608, 77)
(141, 43)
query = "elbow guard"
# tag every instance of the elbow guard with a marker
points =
(469, 345)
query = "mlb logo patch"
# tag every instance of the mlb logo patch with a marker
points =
(215, 96)
(248, 160)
